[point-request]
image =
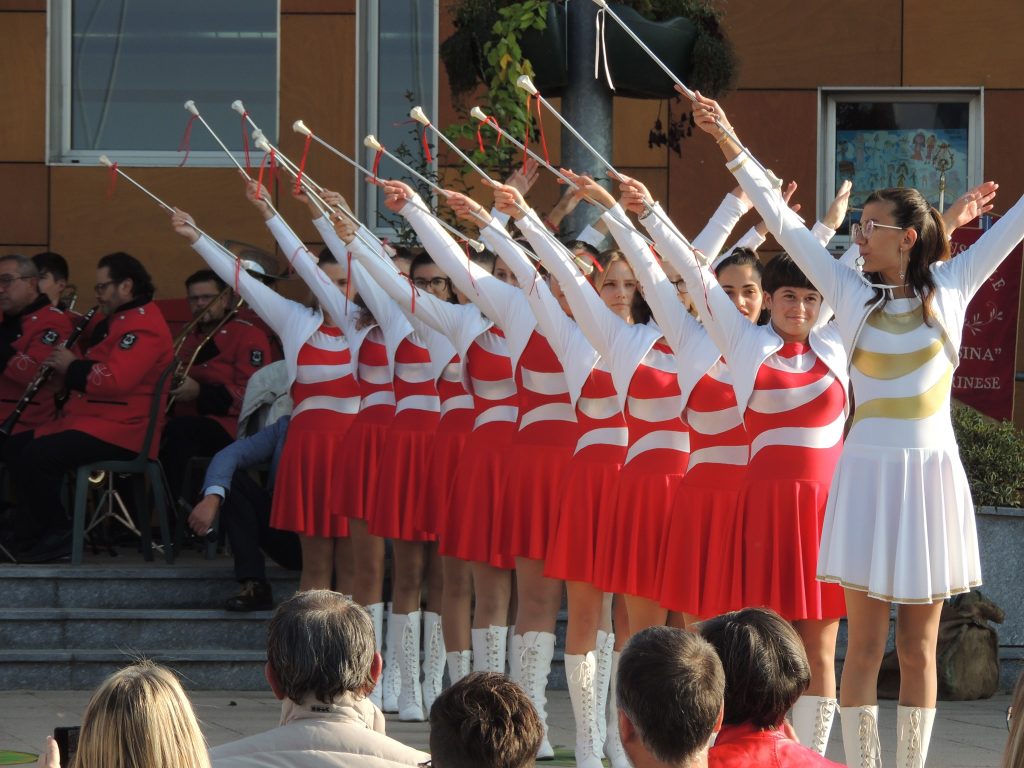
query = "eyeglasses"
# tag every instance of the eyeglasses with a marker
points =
(202, 297)
(436, 283)
(6, 280)
(868, 227)
(101, 287)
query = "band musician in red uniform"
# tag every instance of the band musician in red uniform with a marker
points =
(215, 361)
(110, 391)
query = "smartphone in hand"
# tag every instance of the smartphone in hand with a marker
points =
(67, 742)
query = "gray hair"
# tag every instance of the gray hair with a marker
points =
(26, 267)
(319, 642)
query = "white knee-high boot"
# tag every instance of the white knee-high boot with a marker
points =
(410, 698)
(536, 649)
(860, 736)
(489, 649)
(460, 664)
(392, 677)
(433, 659)
(812, 721)
(579, 672)
(913, 735)
(376, 611)
(515, 656)
(602, 684)
(613, 748)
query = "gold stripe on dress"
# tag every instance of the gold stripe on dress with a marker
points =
(896, 322)
(893, 365)
(920, 406)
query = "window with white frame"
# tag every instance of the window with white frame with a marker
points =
(930, 140)
(121, 70)
(398, 71)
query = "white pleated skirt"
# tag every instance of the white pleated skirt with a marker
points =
(899, 524)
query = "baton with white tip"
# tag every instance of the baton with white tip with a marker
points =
(190, 106)
(300, 127)
(603, 5)
(483, 118)
(370, 142)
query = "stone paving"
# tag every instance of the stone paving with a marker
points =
(966, 733)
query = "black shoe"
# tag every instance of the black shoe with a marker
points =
(254, 596)
(51, 548)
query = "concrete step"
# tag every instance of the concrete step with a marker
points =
(132, 629)
(155, 586)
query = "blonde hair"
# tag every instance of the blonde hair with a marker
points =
(1013, 757)
(140, 718)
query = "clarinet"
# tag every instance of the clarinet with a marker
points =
(44, 374)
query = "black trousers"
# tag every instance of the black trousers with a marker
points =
(186, 437)
(245, 517)
(38, 467)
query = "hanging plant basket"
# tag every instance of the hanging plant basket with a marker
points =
(547, 50)
(632, 71)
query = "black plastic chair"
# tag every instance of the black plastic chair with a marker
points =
(141, 468)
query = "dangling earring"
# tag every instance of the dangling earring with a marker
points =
(859, 263)
(902, 270)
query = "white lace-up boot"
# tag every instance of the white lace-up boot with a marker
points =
(460, 664)
(580, 672)
(913, 735)
(602, 683)
(613, 748)
(515, 657)
(392, 677)
(860, 736)
(433, 659)
(535, 650)
(410, 698)
(376, 611)
(812, 721)
(489, 649)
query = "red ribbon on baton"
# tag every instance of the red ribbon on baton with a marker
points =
(186, 140)
(113, 180)
(302, 164)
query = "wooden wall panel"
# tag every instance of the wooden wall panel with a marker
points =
(318, 6)
(947, 43)
(86, 225)
(318, 85)
(23, 86)
(23, 5)
(632, 122)
(796, 44)
(23, 200)
(780, 127)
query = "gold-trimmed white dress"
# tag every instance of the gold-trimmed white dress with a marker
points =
(900, 520)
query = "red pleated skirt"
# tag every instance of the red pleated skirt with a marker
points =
(444, 459)
(699, 566)
(629, 540)
(587, 497)
(361, 461)
(778, 532)
(534, 471)
(308, 489)
(398, 510)
(476, 494)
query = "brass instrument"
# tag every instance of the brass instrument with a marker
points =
(183, 367)
(68, 298)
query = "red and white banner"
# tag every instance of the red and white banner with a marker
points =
(988, 350)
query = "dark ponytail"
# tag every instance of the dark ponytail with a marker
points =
(911, 210)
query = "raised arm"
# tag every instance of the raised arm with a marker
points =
(273, 308)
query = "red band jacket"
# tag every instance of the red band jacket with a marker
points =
(111, 390)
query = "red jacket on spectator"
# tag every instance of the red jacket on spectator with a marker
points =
(222, 368)
(111, 390)
(26, 340)
(747, 745)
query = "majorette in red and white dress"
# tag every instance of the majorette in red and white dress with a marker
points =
(319, 362)
(792, 397)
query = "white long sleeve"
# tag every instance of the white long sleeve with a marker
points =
(576, 354)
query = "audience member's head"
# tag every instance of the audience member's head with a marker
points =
(320, 645)
(1013, 757)
(766, 668)
(484, 721)
(669, 687)
(53, 274)
(140, 716)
